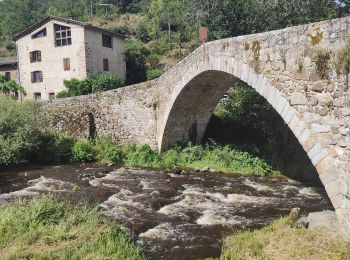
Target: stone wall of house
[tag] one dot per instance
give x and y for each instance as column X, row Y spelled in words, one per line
column 9, row 68
column 95, row 53
column 51, row 63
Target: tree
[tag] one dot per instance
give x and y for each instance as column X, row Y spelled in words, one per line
column 10, row 87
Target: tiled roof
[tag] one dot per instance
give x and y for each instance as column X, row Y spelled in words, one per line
column 8, row 60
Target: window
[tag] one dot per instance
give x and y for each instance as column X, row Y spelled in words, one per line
column 40, row 34
column 106, row 41
column 63, row 35
column 37, row 76
column 7, row 75
column 105, row 65
column 66, row 64
column 35, row 56
column 37, row 96
column 51, row 96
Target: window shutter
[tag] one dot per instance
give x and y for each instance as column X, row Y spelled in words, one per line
column 31, row 57
column 32, row 77
column 40, row 76
column 105, row 65
column 66, row 64
column 39, row 55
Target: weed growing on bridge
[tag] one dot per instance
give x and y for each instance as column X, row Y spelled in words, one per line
column 49, row 229
column 321, row 58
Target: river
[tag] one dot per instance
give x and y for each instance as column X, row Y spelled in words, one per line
column 183, row 216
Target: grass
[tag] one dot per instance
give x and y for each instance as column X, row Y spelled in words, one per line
column 49, row 229
column 281, row 241
column 227, row 158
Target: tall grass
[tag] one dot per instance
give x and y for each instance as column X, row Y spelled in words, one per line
column 49, row 229
column 281, row 241
column 220, row 158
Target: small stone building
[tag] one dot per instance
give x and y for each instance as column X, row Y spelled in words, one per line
column 8, row 67
column 57, row 49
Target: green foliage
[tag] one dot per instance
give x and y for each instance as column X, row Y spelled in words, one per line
column 343, row 60
column 29, row 231
column 52, row 147
column 321, row 59
column 153, row 60
column 10, row 87
column 154, row 73
column 136, row 54
column 83, row 151
column 160, row 47
column 101, row 82
column 107, row 150
column 19, row 128
column 246, row 107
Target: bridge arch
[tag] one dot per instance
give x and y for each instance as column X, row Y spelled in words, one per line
column 204, row 82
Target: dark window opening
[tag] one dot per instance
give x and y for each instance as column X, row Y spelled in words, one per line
column 37, row 96
column 35, row 56
column 66, row 64
column 39, row 34
column 105, row 65
column 37, row 76
column 63, row 35
column 7, row 75
column 107, row 41
column 52, row 96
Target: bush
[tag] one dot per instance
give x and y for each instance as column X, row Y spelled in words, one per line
column 160, row 47
column 101, row 82
column 107, row 151
column 154, row 73
column 83, row 151
column 19, row 128
column 136, row 54
column 52, row 147
column 153, row 60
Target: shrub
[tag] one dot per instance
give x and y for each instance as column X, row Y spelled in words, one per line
column 136, row 54
column 153, row 60
column 160, row 47
column 105, row 81
column 107, row 151
column 143, row 32
column 52, row 147
column 19, row 128
column 154, row 73
column 343, row 60
column 83, row 151
column 321, row 58
column 101, row 82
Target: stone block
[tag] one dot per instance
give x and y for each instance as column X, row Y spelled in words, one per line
column 298, row 99
column 317, row 128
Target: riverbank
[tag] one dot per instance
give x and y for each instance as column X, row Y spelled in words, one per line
column 186, row 215
column 50, row 229
column 227, row 159
column 280, row 240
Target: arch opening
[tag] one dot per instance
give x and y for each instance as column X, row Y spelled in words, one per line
column 192, row 119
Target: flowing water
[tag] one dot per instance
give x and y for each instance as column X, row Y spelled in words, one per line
column 182, row 216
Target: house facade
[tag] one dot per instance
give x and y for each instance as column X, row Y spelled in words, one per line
column 58, row 49
column 8, row 67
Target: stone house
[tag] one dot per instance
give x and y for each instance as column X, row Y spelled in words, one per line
column 8, row 67
column 57, row 49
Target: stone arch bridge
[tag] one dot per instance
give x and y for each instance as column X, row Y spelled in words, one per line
column 295, row 69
